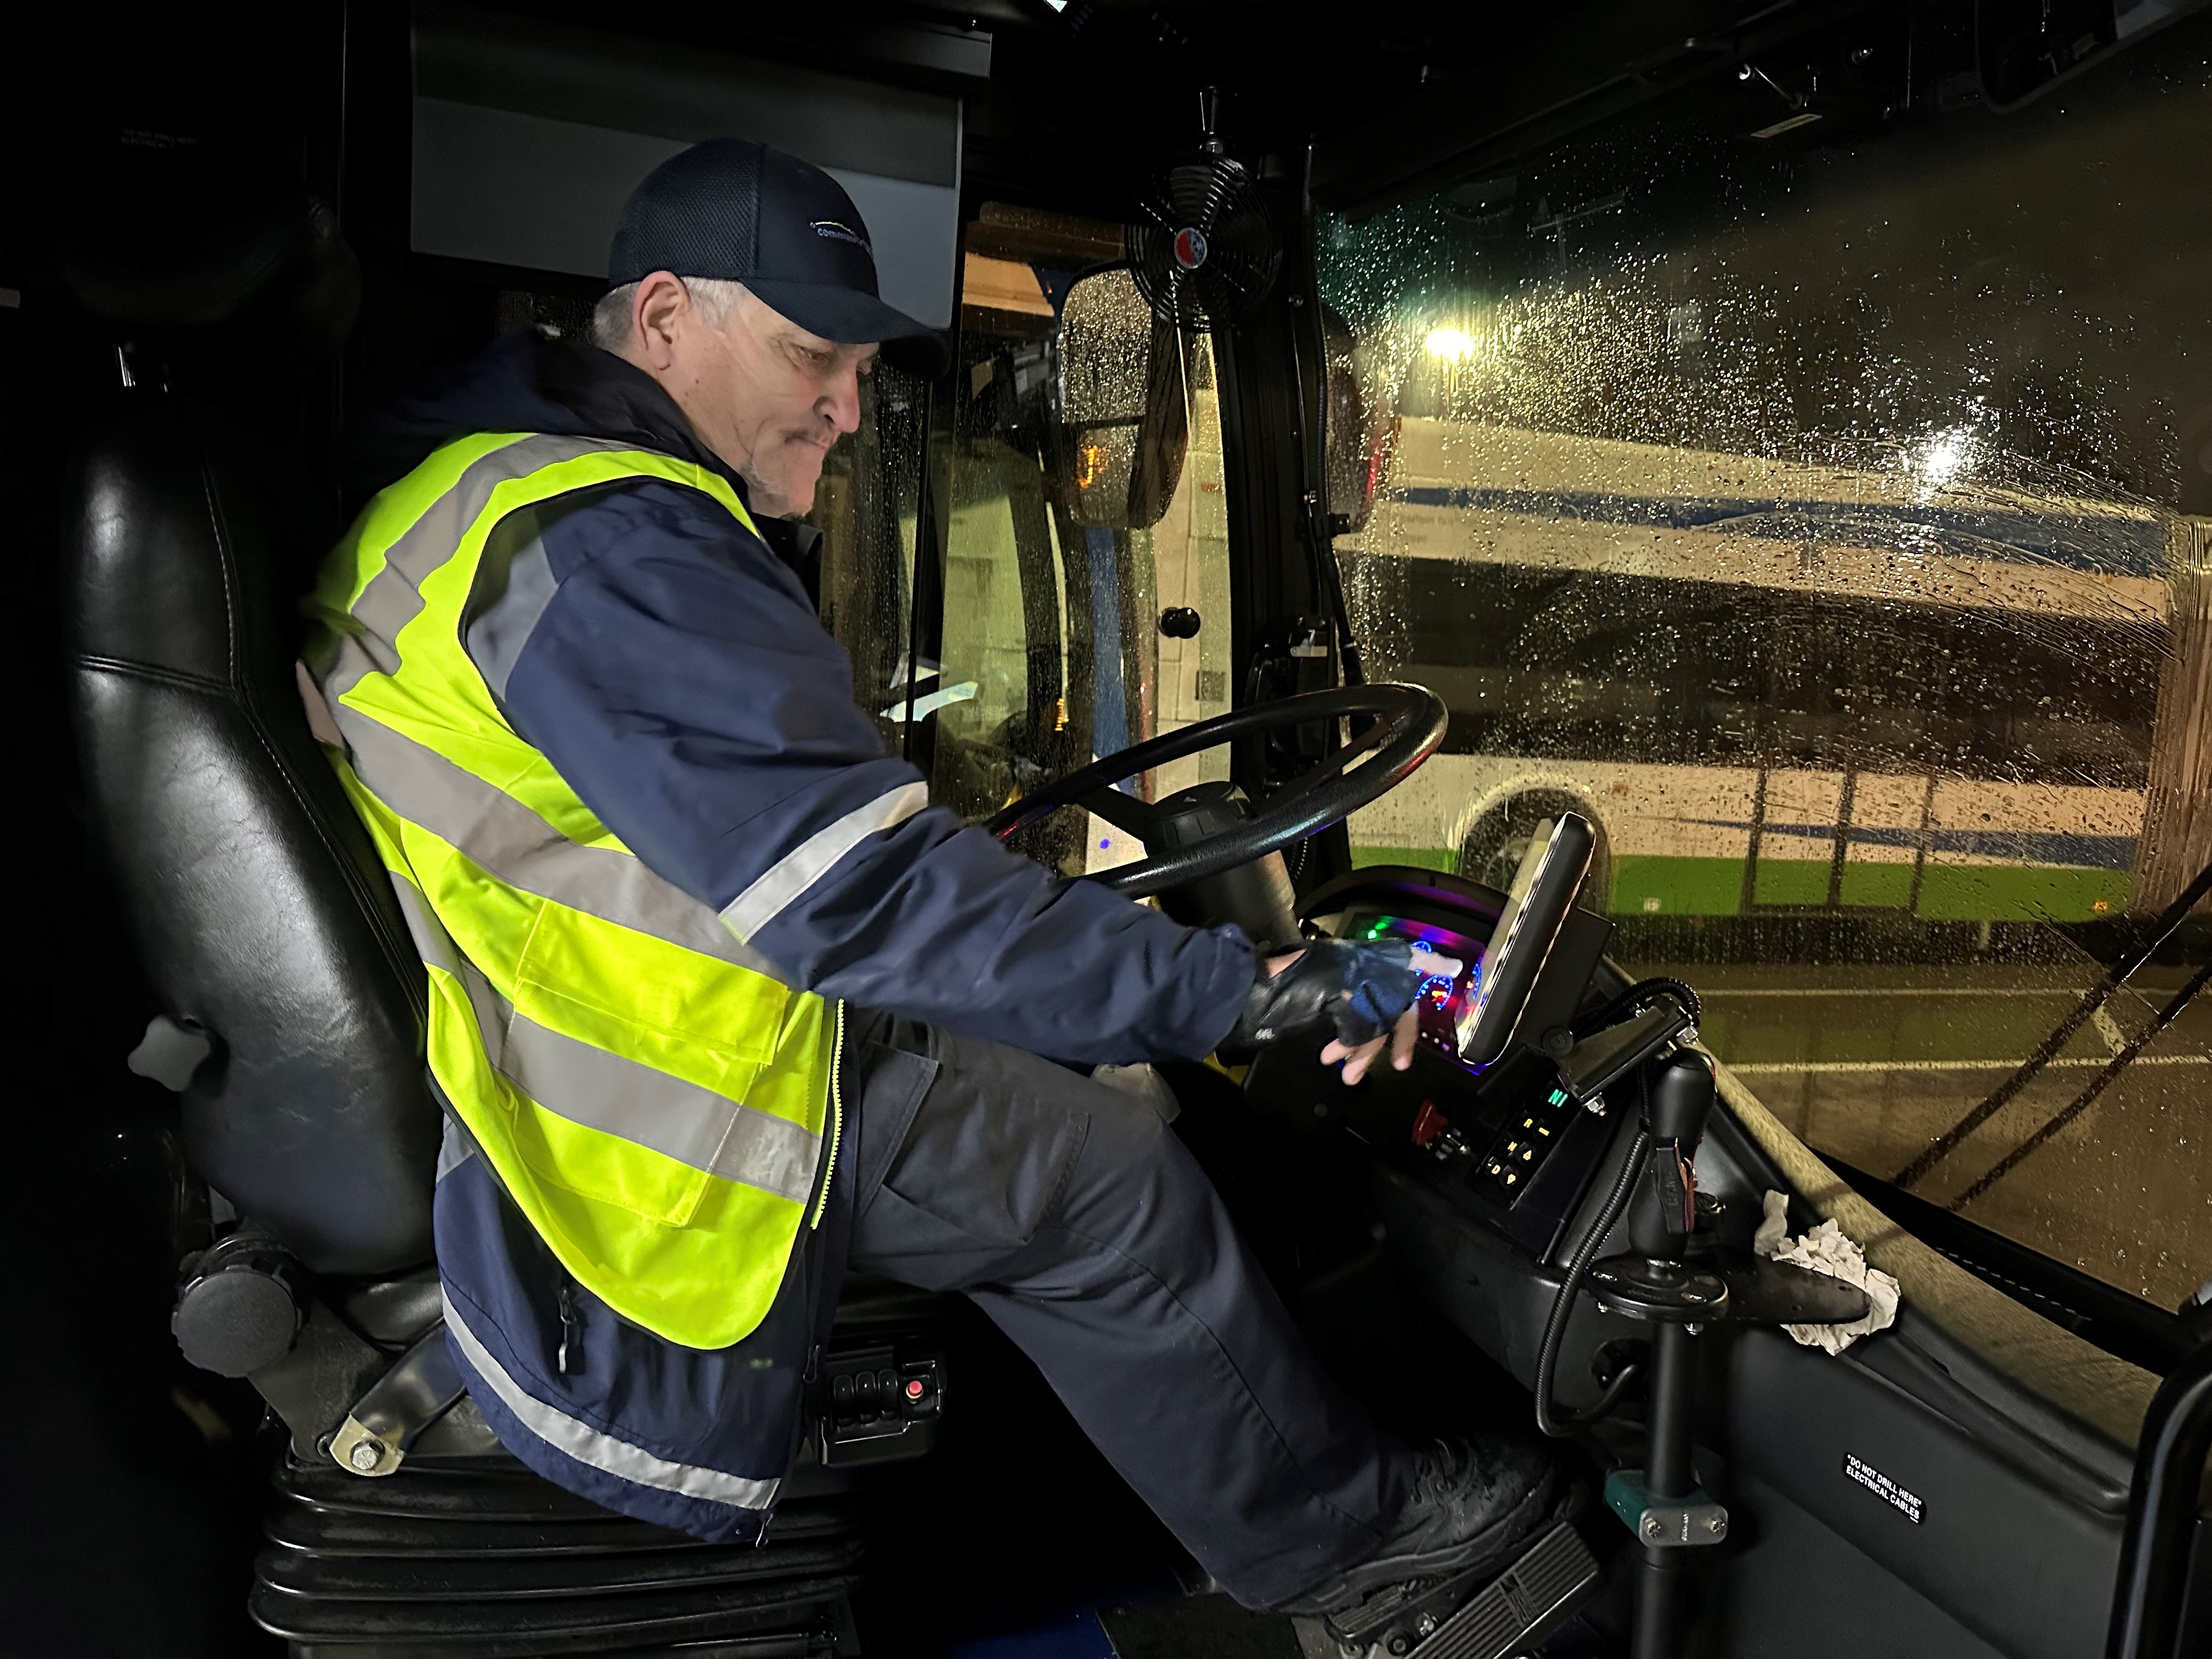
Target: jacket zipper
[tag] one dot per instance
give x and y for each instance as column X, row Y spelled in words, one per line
column 568, row 1324
column 813, row 1372
column 836, row 1117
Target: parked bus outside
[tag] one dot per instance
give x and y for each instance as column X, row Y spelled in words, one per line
column 1725, row 780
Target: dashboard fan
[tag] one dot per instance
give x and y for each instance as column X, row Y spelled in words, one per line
column 1201, row 248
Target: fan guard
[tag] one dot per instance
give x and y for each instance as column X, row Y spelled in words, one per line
column 1202, row 249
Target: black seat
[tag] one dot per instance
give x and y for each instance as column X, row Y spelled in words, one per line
column 263, row 918
column 294, row 999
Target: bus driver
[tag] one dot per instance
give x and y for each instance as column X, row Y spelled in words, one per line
column 719, row 1004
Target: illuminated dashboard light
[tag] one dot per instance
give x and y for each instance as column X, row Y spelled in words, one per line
column 1423, row 944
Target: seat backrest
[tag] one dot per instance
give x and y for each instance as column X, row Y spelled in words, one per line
column 261, row 912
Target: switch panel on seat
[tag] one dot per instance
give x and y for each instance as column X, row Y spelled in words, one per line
column 880, row 1399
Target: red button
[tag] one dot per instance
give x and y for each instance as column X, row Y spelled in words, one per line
column 914, row 1389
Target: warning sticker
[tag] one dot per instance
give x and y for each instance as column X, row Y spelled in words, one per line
column 1906, row 1504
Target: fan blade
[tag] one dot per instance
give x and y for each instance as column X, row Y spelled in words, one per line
column 1159, row 218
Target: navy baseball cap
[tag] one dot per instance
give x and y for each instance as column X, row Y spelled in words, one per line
column 742, row 212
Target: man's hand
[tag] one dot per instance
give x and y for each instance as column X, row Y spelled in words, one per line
column 1357, row 1060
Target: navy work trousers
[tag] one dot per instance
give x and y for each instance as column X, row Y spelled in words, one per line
column 1073, row 1216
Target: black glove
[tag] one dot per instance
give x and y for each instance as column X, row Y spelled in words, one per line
column 1360, row 988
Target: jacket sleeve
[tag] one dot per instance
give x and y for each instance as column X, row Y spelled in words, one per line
column 672, row 671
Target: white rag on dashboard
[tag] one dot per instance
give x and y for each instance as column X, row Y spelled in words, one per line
column 1826, row 1250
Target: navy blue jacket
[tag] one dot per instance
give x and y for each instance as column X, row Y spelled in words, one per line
column 671, row 667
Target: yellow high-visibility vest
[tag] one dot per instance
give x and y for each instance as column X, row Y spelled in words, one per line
column 657, row 1104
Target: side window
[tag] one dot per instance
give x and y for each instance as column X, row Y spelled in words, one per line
column 865, row 509
column 1086, row 500
column 1815, row 521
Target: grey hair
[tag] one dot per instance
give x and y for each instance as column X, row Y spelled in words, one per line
column 611, row 329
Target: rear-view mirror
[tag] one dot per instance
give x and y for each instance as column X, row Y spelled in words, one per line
column 1124, row 400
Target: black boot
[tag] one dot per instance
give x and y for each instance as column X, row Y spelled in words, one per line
column 1477, row 1504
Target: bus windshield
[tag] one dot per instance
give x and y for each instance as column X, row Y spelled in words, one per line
column 1829, row 523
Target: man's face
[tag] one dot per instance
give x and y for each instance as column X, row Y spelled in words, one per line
column 762, row 393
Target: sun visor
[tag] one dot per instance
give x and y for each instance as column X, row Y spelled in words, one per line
column 528, row 138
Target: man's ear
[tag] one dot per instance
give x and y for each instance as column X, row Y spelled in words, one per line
column 661, row 307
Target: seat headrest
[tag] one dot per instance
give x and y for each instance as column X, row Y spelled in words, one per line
column 183, row 243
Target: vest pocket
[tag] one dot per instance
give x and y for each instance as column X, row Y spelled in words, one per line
column 623, row 1113
column 656, row 1072
column 579, row 1159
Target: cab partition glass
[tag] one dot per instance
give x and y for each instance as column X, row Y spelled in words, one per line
column 1084, row 474
column 1821, row 505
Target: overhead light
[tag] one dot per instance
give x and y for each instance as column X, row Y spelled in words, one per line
column 1946, row 457
column 1451, row 344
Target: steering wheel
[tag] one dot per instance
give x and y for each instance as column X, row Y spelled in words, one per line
column 1190, row 836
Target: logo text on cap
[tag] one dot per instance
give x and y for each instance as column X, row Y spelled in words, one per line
column 837, row 232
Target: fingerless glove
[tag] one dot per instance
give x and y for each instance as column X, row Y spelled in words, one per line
column 1360, row 988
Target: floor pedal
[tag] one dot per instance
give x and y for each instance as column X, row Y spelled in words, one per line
column 1512, row 1614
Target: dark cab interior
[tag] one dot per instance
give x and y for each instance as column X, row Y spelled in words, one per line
column 1160, row 525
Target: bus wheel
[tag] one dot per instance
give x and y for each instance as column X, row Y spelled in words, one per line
column 1494, row 846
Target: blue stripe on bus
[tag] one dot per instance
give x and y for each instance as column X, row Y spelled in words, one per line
column 2027, row 845
column 2115, row 545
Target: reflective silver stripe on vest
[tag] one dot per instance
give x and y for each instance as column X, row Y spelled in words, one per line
column 504, row 836
column 595, row 1447
column 454, row 1149
column 392, row 597
column 679, row 1120
column 438, row 950
column 603, row 1091
column 790, row 876
column 496, row 639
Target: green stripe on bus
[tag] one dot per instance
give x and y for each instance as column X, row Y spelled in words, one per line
column 1788, row 881
column 1645, row 884
column 1642, row 884
column 1878, row 886
column 1425, row 858
column 1988, row 892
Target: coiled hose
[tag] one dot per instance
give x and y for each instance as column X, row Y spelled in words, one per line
column 1559, row 1425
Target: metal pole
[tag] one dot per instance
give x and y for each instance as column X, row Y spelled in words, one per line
column 1661, row 1616
column 1667, row 1468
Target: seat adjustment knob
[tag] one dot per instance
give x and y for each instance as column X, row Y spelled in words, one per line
column 171, row 1052
column 239, row 1309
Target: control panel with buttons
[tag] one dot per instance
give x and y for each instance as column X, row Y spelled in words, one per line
column 879, row 1400
column 1527, row 1138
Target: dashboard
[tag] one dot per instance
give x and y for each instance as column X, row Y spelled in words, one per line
column 1510, row 1143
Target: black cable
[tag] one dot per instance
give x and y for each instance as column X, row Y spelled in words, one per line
column 1633, row 998
column 2097, row 1086
column 1547, row 1355
column 2140, row 952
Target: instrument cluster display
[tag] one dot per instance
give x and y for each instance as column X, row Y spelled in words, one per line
column 1453, row 984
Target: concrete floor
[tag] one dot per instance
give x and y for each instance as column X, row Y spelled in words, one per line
column 1870, row 1063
